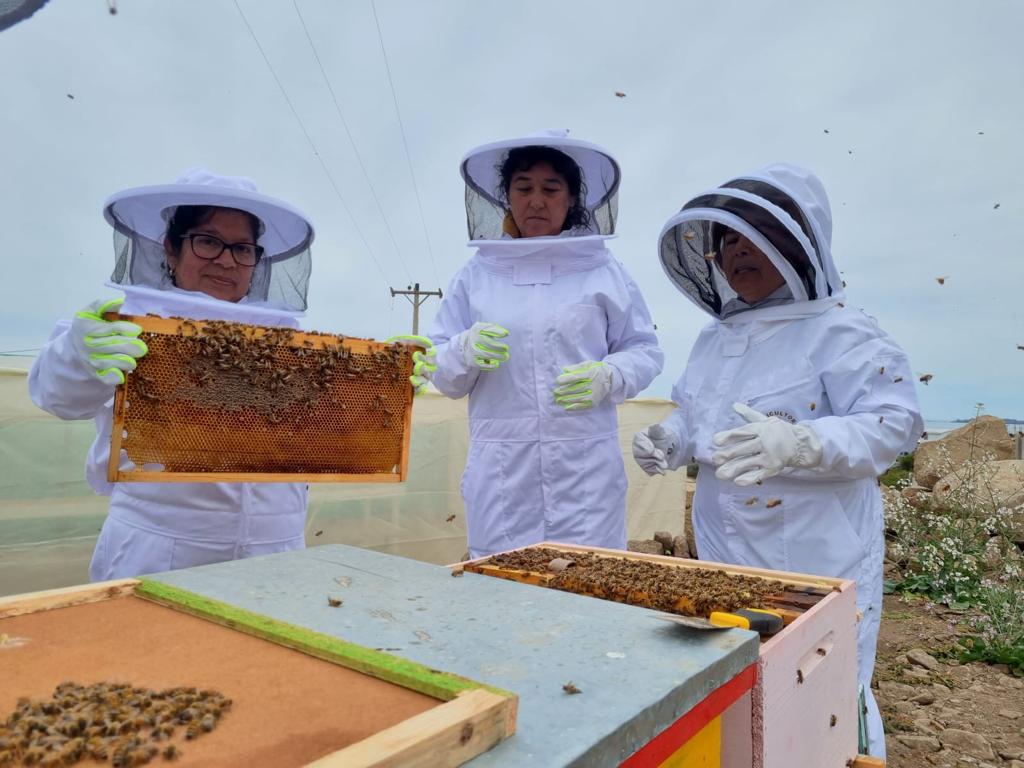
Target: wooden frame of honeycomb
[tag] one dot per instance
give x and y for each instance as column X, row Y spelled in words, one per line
column 224, row 402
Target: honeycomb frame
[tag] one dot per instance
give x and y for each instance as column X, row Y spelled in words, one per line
column 214, row 401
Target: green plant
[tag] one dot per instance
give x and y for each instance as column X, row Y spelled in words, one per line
column 946, row 549
column 997, row 634
column 900, row 474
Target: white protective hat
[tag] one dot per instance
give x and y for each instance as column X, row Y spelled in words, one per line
column 486, row 206
column 140, row 216
column 782, row 209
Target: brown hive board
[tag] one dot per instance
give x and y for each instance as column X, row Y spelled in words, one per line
column 225, row 402
column 298, row 697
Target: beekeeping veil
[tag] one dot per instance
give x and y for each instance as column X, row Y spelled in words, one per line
column 486, row 206
column 140, row 216
column 782, row 209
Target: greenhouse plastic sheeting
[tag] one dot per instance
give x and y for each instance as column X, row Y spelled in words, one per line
column 50, row 517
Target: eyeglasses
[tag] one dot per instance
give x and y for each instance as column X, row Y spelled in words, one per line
column 209, row 247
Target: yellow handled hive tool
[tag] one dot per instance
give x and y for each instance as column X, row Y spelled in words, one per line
column 757, row 620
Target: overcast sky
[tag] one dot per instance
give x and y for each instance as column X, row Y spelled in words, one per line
column 910, row 112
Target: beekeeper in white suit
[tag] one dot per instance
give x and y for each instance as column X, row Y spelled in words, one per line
column 206, row 247
column 546, row 333
column 791, row 402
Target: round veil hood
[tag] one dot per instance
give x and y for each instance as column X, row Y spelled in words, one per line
column 485, row 200
column 782, row 209
column 140, row 215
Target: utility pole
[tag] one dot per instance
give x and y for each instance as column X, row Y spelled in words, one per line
column 415, row 292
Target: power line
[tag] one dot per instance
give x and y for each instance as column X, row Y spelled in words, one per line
column 312, row 145
column 351, row 140
column 405, row 143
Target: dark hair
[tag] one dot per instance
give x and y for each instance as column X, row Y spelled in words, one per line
column 187, row 216
column 525, row 158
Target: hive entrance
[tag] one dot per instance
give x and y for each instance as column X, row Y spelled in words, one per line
column 217, row 401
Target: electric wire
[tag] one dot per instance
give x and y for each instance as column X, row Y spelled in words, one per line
column 312, row 145
column 348, row 133
column 405, row 143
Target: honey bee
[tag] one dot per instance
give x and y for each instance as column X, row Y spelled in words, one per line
column 925, row 378
column 333, row 602
column 208, row 723
column 813, row 406
column 192, row 731
column 881, row 371
column 171, row 752
column 772, row 503
column 457, row 573
column 450, row 519
column 711, row 255
column 751, row 501
column 897, row 380
column 570, row 688
column 689, row 234
column 941, row 280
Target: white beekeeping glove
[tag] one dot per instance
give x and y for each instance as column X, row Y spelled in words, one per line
column 763, row 448
column 481, row 350
column 656, row 449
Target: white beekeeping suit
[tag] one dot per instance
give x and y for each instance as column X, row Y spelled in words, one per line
column 155, row 527
column 827, row 377
column 537, row 470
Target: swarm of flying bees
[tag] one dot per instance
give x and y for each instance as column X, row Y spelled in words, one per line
column 127, row 725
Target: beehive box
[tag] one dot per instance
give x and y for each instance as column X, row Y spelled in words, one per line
column 802, row 710
column 125, row 654
column 216, row 401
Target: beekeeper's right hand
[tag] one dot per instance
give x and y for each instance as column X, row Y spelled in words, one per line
column 479, row 348
column 656, row 449
column 110, row 348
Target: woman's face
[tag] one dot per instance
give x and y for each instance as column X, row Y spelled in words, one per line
column 540, row 200
column 221, row 277
column 747, row 269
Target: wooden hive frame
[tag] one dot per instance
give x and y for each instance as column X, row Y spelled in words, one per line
column 801, row 592
column 336, row 424
column 473, row 718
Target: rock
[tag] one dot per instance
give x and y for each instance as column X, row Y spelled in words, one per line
column 925, row 698
column 922, row 659
column 645, row 546
column 894, row 690
column 926, row 726
column 936, row 458
column 916, row 673
column 1015, row 764
column 998, row 484
column 680, row 547
column 941, row 688
column 1015, row 754
column 1009, row 714
column 919, row 743
column 916, row 495
column 965, row 741
column 665, row 539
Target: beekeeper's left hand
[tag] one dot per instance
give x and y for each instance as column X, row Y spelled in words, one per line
column 763, row 448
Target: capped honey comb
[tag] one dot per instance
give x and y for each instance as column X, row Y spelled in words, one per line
column 215, row 401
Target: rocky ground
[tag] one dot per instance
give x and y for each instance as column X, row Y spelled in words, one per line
column 938, row 712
